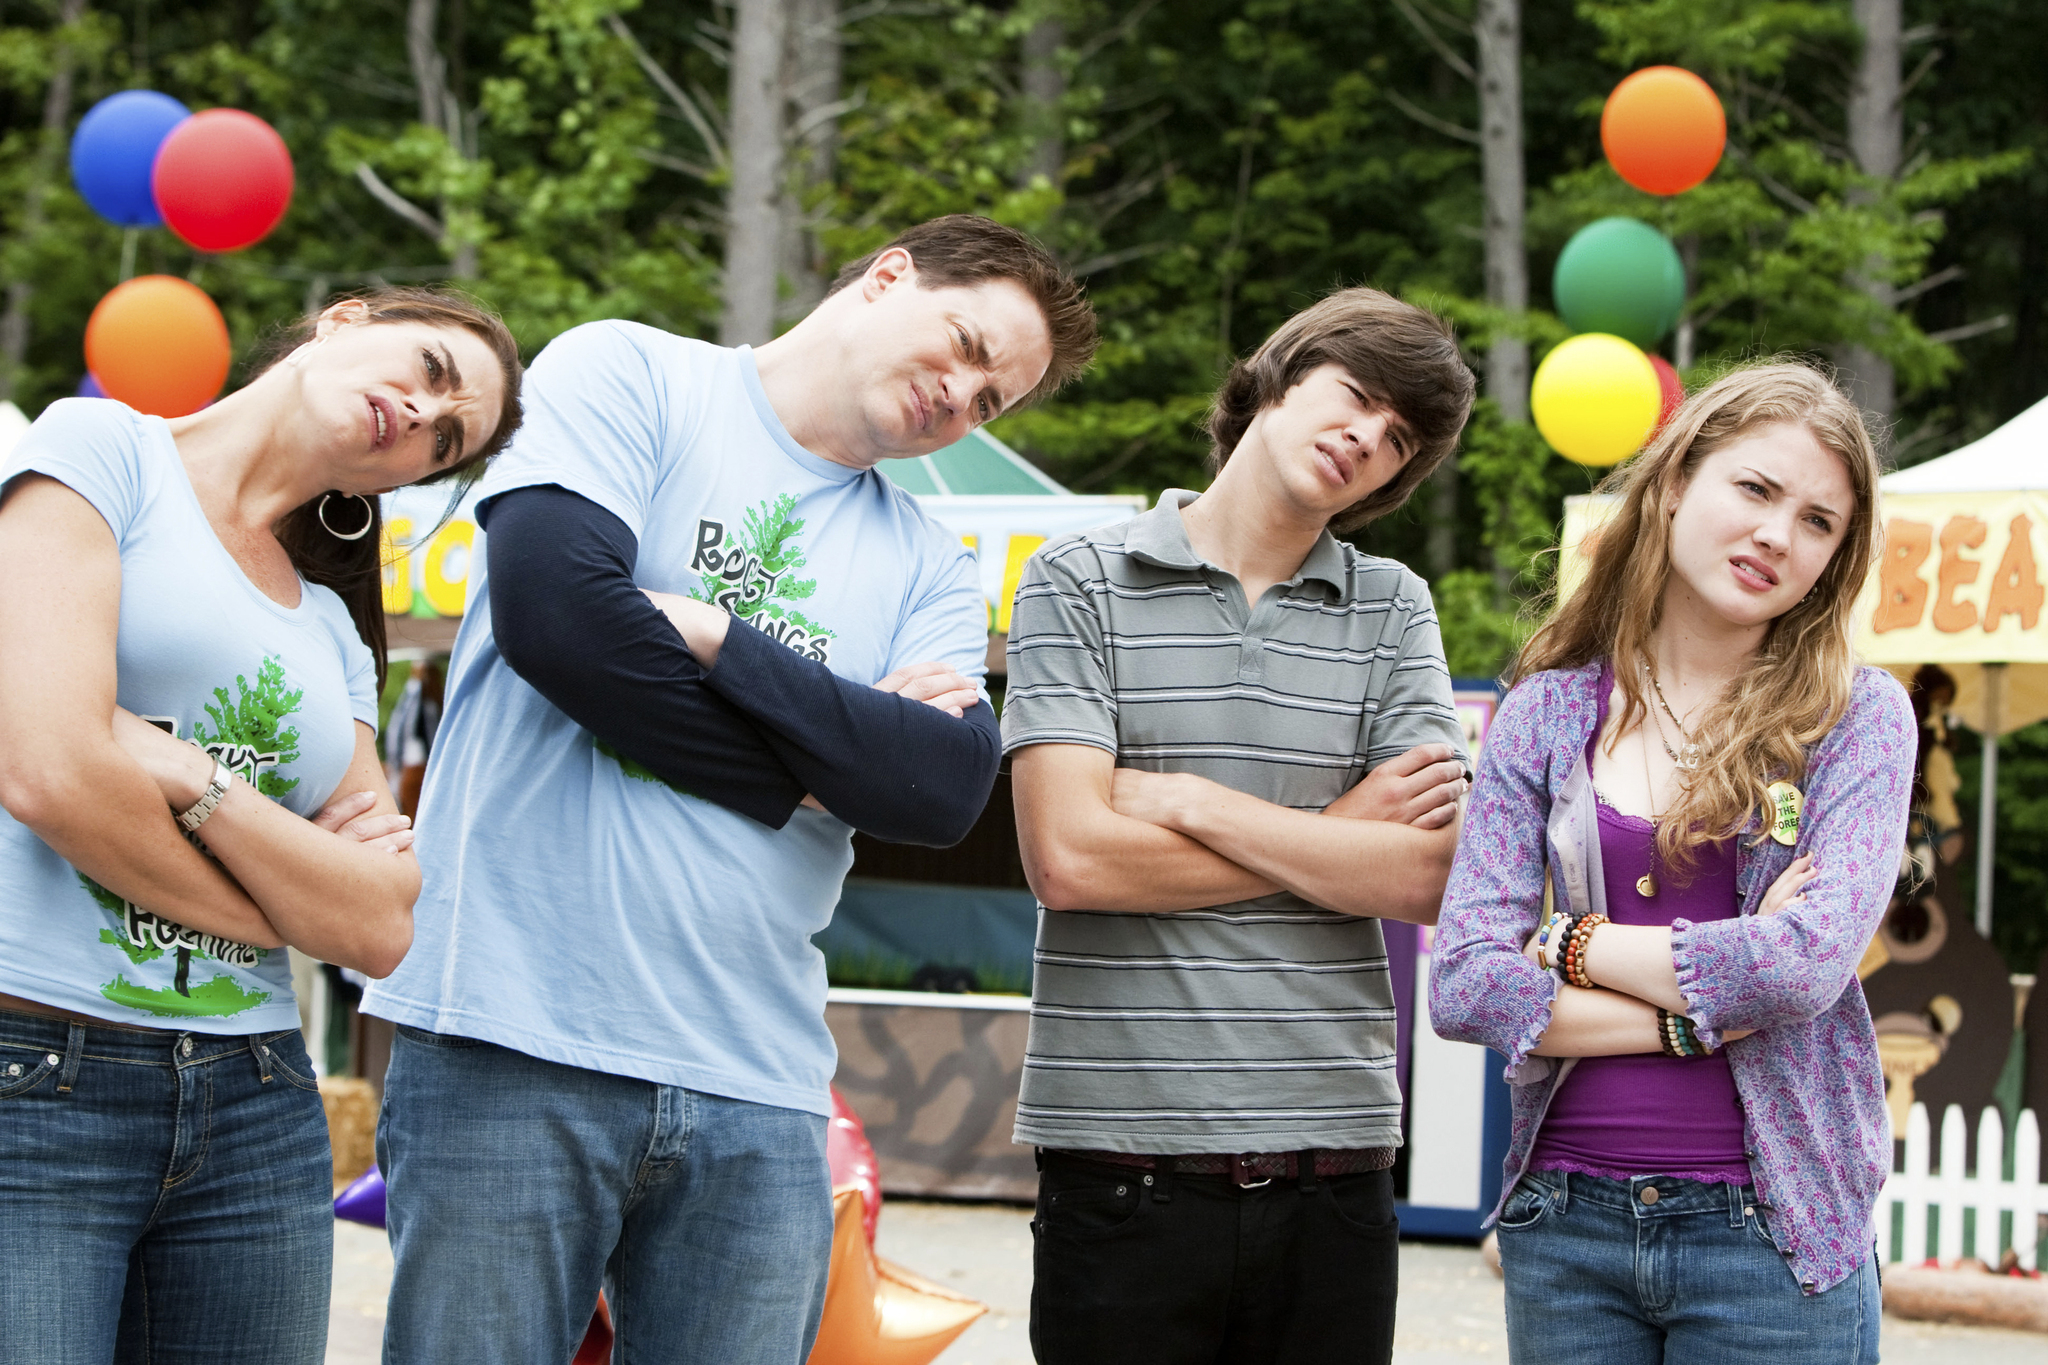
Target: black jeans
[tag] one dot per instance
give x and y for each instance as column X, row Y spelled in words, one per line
column 1133, row 1267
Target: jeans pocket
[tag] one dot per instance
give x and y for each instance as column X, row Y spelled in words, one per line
column 429, row 1038
column 1363, row 1203
column 292, row 1063
column 1093, row 1210
column 1526, row 1206
column 19, row 1075
column 1754, row 1221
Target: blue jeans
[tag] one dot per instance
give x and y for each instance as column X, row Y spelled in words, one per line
column 1690, row 1277
column 519, row 1186
column 164, row 1197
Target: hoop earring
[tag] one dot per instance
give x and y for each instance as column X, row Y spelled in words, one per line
column 369, row 516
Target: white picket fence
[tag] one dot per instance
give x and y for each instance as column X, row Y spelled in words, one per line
column 1917, row 1193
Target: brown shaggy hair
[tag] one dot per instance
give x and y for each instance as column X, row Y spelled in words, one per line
column 354, row 568
column 962, row 250
column 1798, row 685
column 1403, row 356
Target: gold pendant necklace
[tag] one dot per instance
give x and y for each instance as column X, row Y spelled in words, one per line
column 1686, row 757
column 1646, row 885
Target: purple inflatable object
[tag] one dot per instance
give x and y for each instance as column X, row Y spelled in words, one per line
column 89, row 387
column 363, row 1201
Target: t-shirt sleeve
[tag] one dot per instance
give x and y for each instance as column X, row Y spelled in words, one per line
column 597, row 415
column 362, row 677
column 1059, row 690
column 93, row 446
column 1416, row 706
column 947, row 620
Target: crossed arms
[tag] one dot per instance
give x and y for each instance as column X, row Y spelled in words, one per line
column 1098, row 837
column 728, row 715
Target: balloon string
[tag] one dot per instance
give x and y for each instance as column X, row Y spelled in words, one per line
column 128, row 240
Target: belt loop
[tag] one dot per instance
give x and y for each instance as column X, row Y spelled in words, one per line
column 1736, row 1204
column 262, row 1051
column 1305, row 1168
column 1162, row 1179
column 1564, row 1189
column 74, row 1048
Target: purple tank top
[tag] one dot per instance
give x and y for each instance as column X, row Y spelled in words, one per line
column 1645, row 1113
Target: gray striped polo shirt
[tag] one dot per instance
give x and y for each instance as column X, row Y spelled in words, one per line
column 1265, row 1025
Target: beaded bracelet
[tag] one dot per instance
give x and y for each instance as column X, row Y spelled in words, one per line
column 1550, row 939
column 1575, row 950
column 1675, row 1032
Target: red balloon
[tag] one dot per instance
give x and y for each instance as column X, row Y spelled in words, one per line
column 222, row 180
column 852, row 1160
column 1670, row 387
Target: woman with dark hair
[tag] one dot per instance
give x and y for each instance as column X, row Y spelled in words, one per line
column 1692, row 761
column 190, row 623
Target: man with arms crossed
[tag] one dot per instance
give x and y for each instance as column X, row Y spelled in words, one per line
column 1234, row 746
column 612, row 1064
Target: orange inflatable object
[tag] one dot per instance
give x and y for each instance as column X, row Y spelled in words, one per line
column 877, row 1313
column 852, row 1159
column 1663, row 129
column 597, row 1338
column 158, row 344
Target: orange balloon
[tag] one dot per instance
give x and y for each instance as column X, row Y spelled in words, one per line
column 877, row 1313
column 1663, row 129
column 159, row 345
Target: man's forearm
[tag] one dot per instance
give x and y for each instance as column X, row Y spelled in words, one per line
column 1130, row 865
column 1356, row 867
column 889, row 766
column 568, row 618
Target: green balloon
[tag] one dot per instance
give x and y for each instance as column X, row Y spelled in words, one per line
column 1622, row 276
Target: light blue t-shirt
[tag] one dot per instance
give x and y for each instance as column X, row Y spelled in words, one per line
column 581, row 911
column 274, row 692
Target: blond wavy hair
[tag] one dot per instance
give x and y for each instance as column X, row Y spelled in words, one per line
column 1797, row 687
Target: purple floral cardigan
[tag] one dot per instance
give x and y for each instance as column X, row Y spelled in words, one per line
column 1817, row 1134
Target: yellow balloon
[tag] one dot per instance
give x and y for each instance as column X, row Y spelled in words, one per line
column 1595, row 399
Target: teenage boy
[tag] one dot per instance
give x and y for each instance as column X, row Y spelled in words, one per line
column 1234, row 752
column 711, row 641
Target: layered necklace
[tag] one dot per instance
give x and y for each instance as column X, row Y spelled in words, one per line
column 1685, row 757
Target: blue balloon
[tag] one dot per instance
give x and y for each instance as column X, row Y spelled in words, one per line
column 115, row 147
column 89, row 387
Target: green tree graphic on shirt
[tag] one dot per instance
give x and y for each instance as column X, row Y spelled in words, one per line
column 769, row 533
column 248, row 733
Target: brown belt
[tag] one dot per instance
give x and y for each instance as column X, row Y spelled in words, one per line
column 1249, row 1170
column 14, row 1004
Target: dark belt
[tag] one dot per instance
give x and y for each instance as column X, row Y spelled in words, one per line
column 1249, row 1170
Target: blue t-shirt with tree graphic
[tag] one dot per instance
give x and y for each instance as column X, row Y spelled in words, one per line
column 271, row 691
column 577, row 908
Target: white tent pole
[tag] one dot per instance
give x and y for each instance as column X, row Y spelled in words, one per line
column 1987, row 804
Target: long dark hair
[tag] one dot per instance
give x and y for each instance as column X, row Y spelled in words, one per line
column 354, row 568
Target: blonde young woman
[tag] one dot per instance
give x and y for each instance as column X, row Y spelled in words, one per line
column 1718, row 795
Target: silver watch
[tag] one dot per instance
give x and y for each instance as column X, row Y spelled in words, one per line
column 194, row 815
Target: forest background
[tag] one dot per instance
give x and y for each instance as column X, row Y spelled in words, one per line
column 1206, row 166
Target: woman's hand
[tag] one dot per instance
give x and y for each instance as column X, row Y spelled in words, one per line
column 1786, row 890
column 351, row 817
